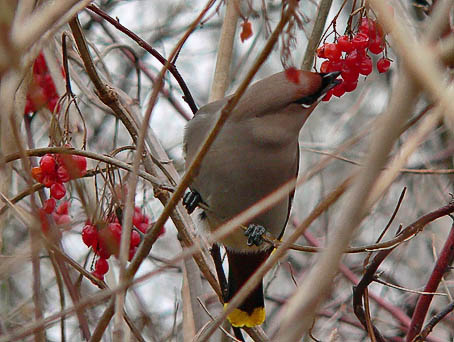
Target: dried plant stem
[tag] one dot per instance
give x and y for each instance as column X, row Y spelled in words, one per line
column 38, row 152
column 422, row 306
column 369, row 274
column 317, row 31
column 129, row 205
column 427, row 125
column 107, row 293
column 181, row 220
column 36, row 271
column 433, row 322
column 394, row 310
column 221, row 77
column 317, row 283
column 280, row 251
column 424, row 66
column 168, row 64
column 41, row 20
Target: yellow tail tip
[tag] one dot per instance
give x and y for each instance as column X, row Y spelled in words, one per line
column 239, row 318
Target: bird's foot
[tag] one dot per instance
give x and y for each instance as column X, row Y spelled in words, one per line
column 191, row 200
column 254, row 233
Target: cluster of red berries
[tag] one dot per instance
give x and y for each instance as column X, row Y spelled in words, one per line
column 104, row 238
column 60, row 213
column 349, row 55
column 42, row 91
column 56, row 169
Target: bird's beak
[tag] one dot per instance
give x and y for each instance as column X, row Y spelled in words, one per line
column 329, row 81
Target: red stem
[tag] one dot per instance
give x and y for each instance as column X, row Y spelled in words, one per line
column 395, row 311
column 422, row 306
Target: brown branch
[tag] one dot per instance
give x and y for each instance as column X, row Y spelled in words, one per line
column 369, row 274
column 422, row 306
column 433, row 322
column 38, row 152
column 106, row 95
column 395, row 311
column 317, row 31
column 169, row 65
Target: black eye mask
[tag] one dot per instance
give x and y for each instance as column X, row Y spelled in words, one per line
column 328, row 82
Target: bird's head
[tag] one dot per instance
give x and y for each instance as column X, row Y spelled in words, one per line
column 280, row 104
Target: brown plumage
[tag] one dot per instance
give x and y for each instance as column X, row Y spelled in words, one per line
column 255, row 152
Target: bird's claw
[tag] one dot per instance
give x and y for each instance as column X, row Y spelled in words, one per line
column 191, row 199
column 254, row 233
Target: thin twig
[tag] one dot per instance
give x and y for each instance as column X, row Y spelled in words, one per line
column 170, row 66
column 317, row 31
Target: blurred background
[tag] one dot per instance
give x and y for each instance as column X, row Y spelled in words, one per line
column 155, row 305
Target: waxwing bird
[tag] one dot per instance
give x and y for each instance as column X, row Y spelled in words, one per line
column 255, row 152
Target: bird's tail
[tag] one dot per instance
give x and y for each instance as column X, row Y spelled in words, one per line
column 241, row 266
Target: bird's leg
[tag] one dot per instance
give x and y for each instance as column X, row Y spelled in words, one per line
column 254, row 233
column 191, row 199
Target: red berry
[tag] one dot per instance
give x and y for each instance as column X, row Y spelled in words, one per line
column 360, row 41
column 137, row 217
column 345, row 44
column 101, row 266
column 335, row 65
column 48, row 164
column 98, row 275
column 115, row 229
column 135, row 238
column 376, row 46
column 49, row 180
column 332, row 51
column 325, row 67
column 246, row 30
column 143, row 227
column 63, row 174
column 109, row 240
column 76, row 165
column 367, row 26
column 90, row 235
column 81, row 163
column 62, row 219
column 103, row 252
column 44, row 223
column 328, row 95
column 57, row 190
column 349, row 74
column 352, row 59
column 132, row 252
column 350, row 86
column 49, row 205
column 37, row 174
column 321, row 51
column 383, row 65
column 365, row 66
column 63, row 208
column 339, row 90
